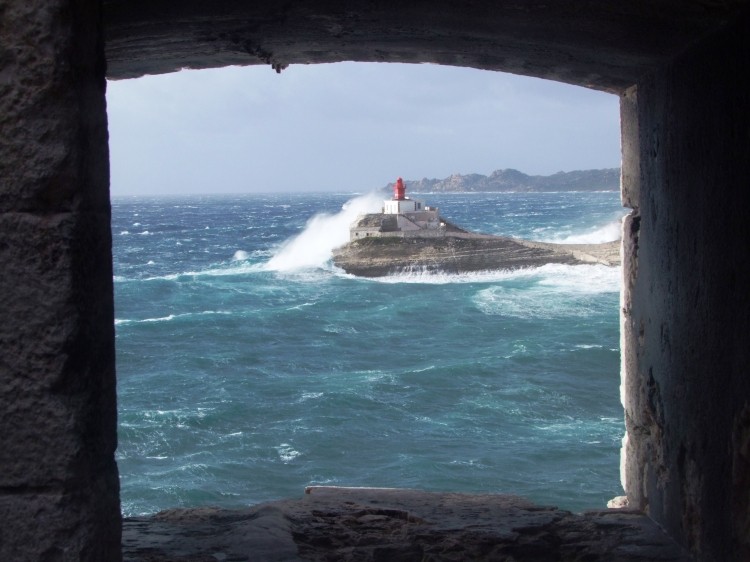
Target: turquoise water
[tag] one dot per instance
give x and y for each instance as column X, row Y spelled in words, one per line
column 249, row 367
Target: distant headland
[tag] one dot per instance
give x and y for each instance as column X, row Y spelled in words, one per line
column 509, row 180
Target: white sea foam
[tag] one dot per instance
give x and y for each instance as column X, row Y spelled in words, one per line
column 515, row 303
column 161, row 319
column 312, row 248
column 287, row 453
column 301, row 306
column 553, row 291
column 608, row 233
column 426, row 277
column 338, row 329
column 586, row 278
column 169, row 318
column 238, row 268
column 230, row 436
column 240, row 255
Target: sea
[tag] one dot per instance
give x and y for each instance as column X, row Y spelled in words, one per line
column 250, row 367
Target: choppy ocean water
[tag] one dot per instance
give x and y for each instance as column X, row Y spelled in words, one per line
column 249, row 367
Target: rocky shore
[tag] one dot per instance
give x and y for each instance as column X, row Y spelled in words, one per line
column 462, row 252
column 390, row 525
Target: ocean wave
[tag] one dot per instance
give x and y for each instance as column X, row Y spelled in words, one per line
column 582, row 430
column 313, row 247
column 431, row 277
column 583, row 277
column 238, row 268
column 610, row 232
column 300, row 306
column 286, row 453
column 308, row 276
column 555, row 291
column 337, row 329
column 169, row 318
column 500, row 301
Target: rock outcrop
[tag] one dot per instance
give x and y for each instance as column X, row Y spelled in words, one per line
column 366, row 524
column 379, row 256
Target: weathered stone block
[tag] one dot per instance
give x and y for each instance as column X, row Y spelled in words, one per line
column 58, row 483
column 397, row 525
column 76, row 526
column 630, row 171
column 57, row 385
column 688, row 344
column 53, row 123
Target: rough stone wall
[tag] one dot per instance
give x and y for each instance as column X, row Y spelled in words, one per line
column 607, row 44
column 59, row 489
column 687, row 321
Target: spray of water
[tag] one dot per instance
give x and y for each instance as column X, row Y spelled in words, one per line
column 607, row 233
column 312, row 248
column 550, row 291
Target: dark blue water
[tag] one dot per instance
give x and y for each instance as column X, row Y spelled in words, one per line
column 249, row 367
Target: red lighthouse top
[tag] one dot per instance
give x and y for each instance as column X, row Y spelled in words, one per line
column 399, row 190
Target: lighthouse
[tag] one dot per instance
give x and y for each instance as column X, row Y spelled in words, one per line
column 401, row 204
column 399, row 190
column 401, row 216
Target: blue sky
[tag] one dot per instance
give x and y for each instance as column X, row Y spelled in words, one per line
column 347, row 127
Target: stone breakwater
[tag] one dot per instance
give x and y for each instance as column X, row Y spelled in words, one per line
column 463, row 252
column 366, row 524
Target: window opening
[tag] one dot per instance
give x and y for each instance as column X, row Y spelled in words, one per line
column 240, row 382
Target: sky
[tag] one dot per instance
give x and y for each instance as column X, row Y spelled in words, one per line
column 347, row 127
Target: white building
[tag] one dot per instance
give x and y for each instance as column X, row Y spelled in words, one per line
column 402, row 206
column 401, row 216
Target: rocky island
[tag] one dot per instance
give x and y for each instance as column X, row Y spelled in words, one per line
column 409, row 236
